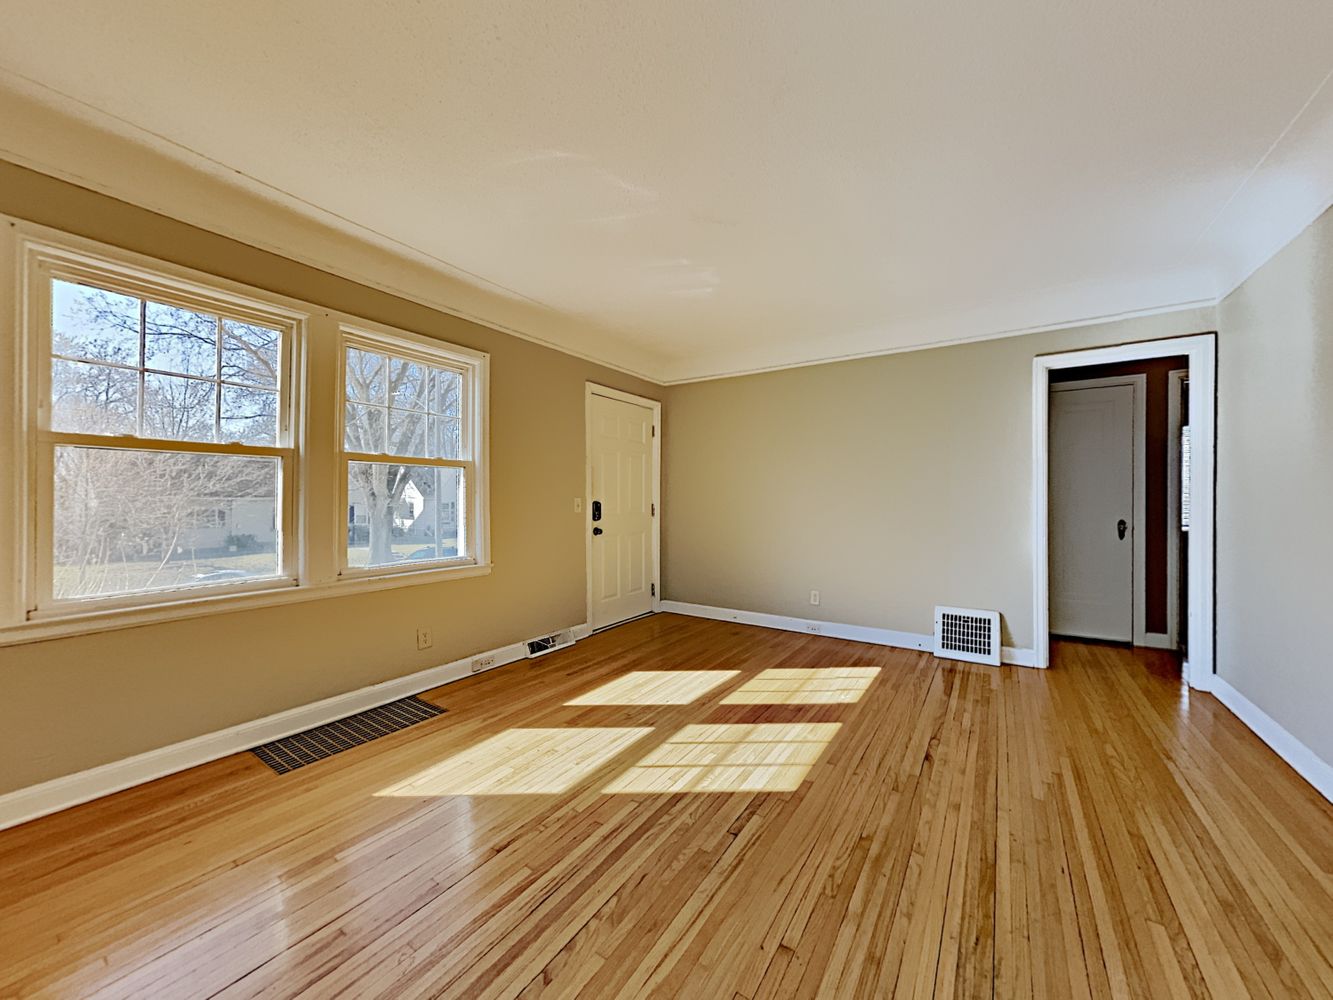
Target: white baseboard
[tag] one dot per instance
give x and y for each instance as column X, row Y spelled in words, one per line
column 1018, row 657
column 60, row 793
column 1302, row 759
column 1157, row 640
column 857, row 633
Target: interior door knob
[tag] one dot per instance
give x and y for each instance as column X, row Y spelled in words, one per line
column 1121, row 527
column 596, row 531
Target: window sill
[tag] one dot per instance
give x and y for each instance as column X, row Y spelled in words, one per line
column 108, row 620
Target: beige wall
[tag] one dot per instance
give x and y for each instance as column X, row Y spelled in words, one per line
column 889, row 484
column 1275, row 488
column 892, row 484
column 73, row 703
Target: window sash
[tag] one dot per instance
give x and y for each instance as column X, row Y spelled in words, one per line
column 166, row 292
column 44, row 603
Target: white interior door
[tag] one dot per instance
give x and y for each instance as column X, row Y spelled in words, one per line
column 1092, row 512
column 621, row 510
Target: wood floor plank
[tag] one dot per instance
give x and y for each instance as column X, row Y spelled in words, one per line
column 616, row 820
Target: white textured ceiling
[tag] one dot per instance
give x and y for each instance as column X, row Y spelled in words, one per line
column 693, row 188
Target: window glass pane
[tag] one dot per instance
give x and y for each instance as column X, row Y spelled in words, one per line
column 182, row 409
column 407, row 433
column 249, row 416
column 93, row 399
column 366, row 377
column 364, row 428
column 400, row 514
column 447, row 393
column 94, row 324
column 446, row 437
column 179, row 340
column 250, row 354
column 408, row 385
column 137, row 521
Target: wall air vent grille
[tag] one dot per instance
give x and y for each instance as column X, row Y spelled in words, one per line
column 968, row 634
column 549, row 643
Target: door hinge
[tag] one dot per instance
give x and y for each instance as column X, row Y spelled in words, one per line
column 653, row 509
column 654, row 430
column 654, row 590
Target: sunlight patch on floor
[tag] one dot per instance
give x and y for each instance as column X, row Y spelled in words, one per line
column 521, row 762
column 761, row 757
column 815, row 686
column 656, row 687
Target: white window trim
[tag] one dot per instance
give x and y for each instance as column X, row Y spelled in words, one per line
column 475, row 409
column 42, row 259
column 18, row 547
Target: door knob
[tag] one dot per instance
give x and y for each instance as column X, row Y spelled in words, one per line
column 1121, row 527
column 598, row 531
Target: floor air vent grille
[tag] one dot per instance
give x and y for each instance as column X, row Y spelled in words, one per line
column 968, row 634
column 291, row 752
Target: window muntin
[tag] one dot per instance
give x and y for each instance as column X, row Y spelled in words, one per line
column 400, row 407
column 164, row 463
column 123, row 364
column 413, row 400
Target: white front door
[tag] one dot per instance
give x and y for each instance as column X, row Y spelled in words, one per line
column 621, row 510
column 1092, row 512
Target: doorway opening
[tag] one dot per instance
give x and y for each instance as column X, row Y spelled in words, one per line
column 1123, row 444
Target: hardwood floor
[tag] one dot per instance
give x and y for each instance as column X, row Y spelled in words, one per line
column 687, row 808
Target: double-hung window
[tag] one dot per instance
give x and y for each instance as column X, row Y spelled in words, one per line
column 152, row 421
column 412, row 440
column 161, row 431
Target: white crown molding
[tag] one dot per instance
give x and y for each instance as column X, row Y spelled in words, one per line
column 1287, row 190
column 811, row 626
column 1194, row 307
column 26, row 804
column 52, row 134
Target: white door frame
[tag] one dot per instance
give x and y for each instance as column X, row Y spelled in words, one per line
column 1202, row 353
column 1139, row 383
column 1174, row 381
column 591, row 389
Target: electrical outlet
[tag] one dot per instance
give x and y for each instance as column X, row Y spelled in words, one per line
column 816, row 629
column 425, row 638
column 578, row 505
column 814, row 597
column 480, row 663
